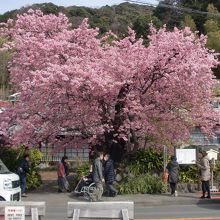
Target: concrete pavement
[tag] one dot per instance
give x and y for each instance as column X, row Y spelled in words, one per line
column 186, row 206
column 165, row 199
column 190, row 219
column 140, row 199
column 190, row 212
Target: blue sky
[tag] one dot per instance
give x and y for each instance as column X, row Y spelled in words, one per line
column 7, row 5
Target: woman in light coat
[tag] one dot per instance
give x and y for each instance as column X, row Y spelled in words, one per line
column 204, row 167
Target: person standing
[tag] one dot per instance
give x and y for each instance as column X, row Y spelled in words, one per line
column 23, row 169
column 97, row 176
column 62, row 173
column 204, row 167
column 109, row 175
column 173, row 171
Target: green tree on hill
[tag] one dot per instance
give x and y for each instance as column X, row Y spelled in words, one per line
column 4, row 75
column 189, row 22
column 141, row 25
column 212, row 29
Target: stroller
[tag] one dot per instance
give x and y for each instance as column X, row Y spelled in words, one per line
column 85, row 187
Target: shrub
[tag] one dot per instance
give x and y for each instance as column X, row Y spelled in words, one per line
column 35, row 157
column 137, row 173
column 145, row 161
column 145, row 183
column 189, row 174
column 11, row 157
column 34, row 178
column 81, row 170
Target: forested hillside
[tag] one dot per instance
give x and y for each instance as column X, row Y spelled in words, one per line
column 118, row 17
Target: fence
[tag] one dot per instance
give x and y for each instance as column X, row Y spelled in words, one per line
column 72, row 154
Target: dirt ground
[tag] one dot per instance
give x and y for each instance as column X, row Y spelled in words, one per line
column 49, row 184
column 48, row 175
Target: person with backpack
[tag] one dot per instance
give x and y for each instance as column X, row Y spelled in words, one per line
column 205, row 173
column 23, row 169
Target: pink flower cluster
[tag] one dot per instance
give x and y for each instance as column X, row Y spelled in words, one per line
column 72, row 82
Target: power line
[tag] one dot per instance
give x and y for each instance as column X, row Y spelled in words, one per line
column 184, row 9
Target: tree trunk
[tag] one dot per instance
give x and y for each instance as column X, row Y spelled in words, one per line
column 112, row 143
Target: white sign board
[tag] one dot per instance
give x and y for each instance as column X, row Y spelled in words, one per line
column 186, row 156
column 14, row 213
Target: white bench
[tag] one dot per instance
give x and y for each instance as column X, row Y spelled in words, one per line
column 109, row 210
column 34, row 209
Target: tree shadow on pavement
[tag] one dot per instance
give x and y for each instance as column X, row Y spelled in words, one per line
column 50, row 186
column 77, row 198
column 212, row 204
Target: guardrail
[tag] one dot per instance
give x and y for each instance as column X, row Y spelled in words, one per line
column 101, row 210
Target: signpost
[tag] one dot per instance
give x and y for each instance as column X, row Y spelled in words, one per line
column 213, row 156
column 164, row 158
column 14, row 213
column 165, row 174
column 213, row 188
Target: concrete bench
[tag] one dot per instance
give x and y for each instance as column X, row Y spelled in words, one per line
column 34, row 209
column 104, row 210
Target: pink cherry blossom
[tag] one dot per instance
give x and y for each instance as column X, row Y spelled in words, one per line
column 93, row 90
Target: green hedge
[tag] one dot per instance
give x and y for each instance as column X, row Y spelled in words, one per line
column 145, row 183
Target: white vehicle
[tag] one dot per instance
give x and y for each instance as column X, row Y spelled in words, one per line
column 9, row 185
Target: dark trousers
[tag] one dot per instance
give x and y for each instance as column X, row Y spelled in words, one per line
column 97, row 194
column 63, row 184
column 205, row 188
column 111, row 189
column 173, row 188
column 23, row 181
column 99, row 190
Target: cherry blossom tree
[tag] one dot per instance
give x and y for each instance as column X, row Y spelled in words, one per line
column 116, row 92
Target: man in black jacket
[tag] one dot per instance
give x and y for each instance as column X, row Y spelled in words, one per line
column 109, row 174
column 23, row 169
column 97, row 176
